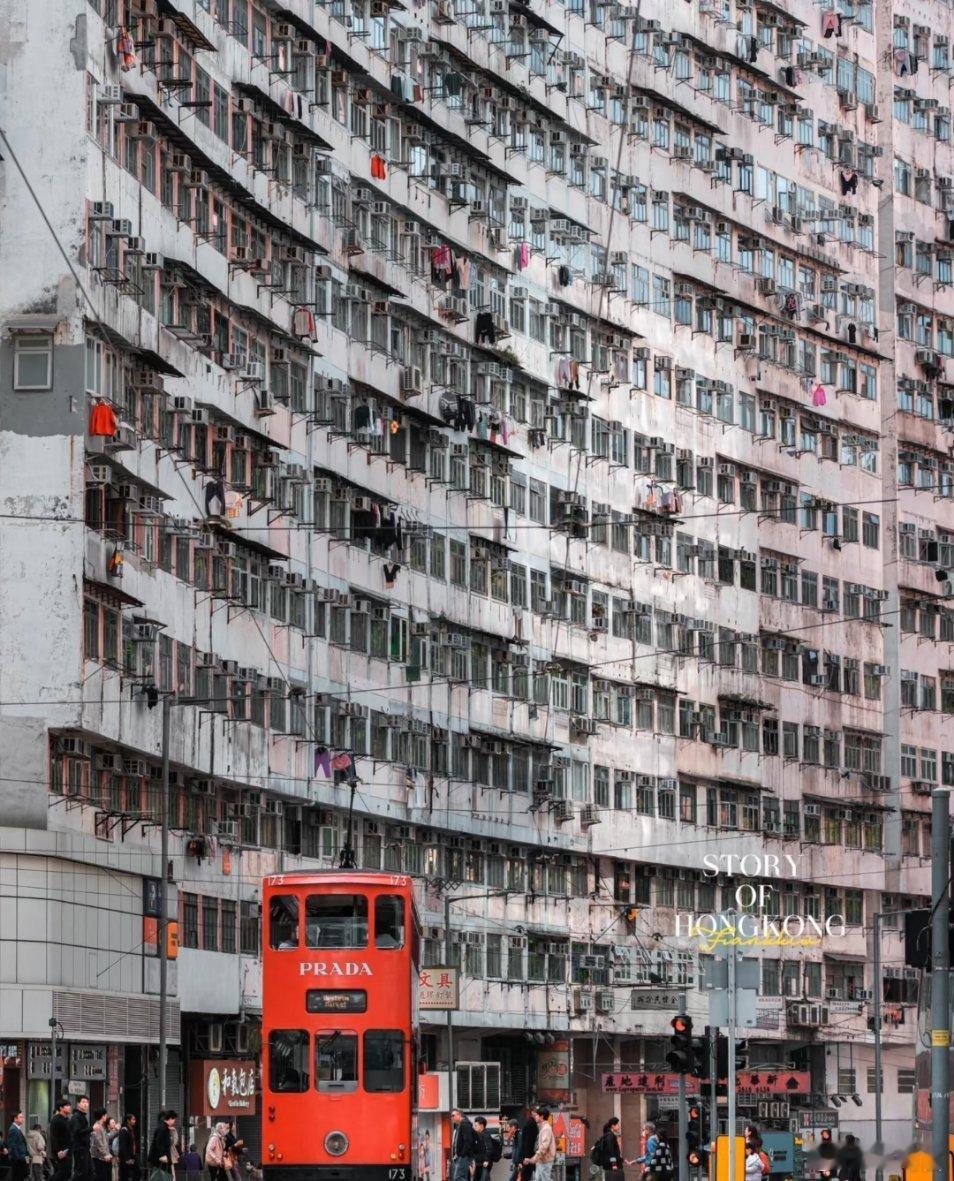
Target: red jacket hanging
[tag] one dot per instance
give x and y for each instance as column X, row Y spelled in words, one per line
column 102, row 421
column 378, row 170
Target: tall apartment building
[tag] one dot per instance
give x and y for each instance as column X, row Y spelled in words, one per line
column 518, row 435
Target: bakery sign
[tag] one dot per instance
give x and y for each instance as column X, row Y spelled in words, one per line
column 223, row 1086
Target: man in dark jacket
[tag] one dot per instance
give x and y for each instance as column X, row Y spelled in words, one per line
column 60, row 1141
column 463, row 1146
column 79, row 1141
column 17, row 1152
column 527, row 1145
column 483, row 1150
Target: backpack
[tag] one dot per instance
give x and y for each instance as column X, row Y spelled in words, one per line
column 495, row 1149
column 596, row 1153
column 766, row 1163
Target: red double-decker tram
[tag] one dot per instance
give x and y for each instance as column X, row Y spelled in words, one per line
column 339, row 1027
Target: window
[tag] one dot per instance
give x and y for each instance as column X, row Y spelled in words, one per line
column 336, row 1058
column 336, row 920
column 288, row 1060
column 283, row 922
column 33, row 363
column 388, row 924
column 383, row 1058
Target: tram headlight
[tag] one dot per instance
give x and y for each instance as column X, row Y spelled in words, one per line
column 336, row 1144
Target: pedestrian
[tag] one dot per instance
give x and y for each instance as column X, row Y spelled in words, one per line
column 215, row 1152
column 609, row 1154
column 163, row 1154
column 545, row 1154
column 99, row 1146
column 18, row 1155
column 850, row 1160
column 659, row 1163
column 234, row 1151
column 463, row 1146
column 80, row 1132
column 526, row 1146
column 191, row 1163
column 753, row 1166
column 36, row 1145
column 649, row 1142
column 60, row 1140
column 127, row 1150
column 511, row 1137
column 424, row 1157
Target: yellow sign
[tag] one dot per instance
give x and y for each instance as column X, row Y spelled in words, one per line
column 722, row 1159
column 940, row 1037
column 918, row 1167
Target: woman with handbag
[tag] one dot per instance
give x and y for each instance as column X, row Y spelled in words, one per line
column 36, row 1145
column 216, row 1153
column 163, row 1154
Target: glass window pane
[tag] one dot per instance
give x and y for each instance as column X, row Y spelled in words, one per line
column 283, row 922
column 336, row 920
column 389, row 922
column 384, row 1060
column 336, row 1060
column 288, row 1060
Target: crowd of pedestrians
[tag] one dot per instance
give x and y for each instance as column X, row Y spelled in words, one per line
column 84, row 1145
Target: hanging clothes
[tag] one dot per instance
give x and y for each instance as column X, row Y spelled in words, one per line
column 849, row 181
column 564, row 276
column 361, row 419
column 442, row 267
column 452, row 84
column 418, row 92
column 214, row 491
column 397, row 87
column 102, row 421
column 523, row 256
column 323, row 761
column 462, row 267
column 125, row 50
column 378, row 169
column 391, row 571
column 830, row 23
column 114, row 567
column 484, row 327
column 303, row 324
column 790, row 305
column 818, row 396
column 753, row 54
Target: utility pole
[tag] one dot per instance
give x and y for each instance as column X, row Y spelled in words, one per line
column 163, row 906
column 714, row 1085
column 940, row 983
column 683, row 1114
column 450, row 1013
column 876, row 1015
column 53, row 1024
column 730, row 1032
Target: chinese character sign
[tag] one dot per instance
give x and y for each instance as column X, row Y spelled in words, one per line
column 439, row 988
column 223, row 1087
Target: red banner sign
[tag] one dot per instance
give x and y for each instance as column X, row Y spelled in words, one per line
column 747, row 1082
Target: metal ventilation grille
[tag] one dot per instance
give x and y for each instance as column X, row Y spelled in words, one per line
column 478, row 1086
column 110, row 1016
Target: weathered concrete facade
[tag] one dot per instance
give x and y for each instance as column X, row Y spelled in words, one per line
column 665, row 434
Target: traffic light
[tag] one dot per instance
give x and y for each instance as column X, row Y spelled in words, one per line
column 701, row 1048
column 722, row 1057
column 680, row 1056
column 696, row 1154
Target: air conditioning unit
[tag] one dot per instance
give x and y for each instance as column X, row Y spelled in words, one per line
column 582, row 1001
column 254, row 371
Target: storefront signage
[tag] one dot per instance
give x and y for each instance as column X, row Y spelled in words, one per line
column 88, row 1063
column 788, row 1082
column 439, row 988
column 553, row 1073
column 223, row 1087
column 38, row 1060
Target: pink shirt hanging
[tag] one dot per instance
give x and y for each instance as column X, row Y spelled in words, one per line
column 818, row 396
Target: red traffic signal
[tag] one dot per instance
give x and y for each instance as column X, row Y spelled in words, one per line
column 682, row 1025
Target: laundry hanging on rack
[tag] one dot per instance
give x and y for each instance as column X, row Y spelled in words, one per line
column 564, row 276
column 830, row 23
column 102, row 421
column 397, row 87
column 323, row 761
column 848, row 179
column 391, row 571
column 819, row 398
column 378, row 169
column 523, row 256
column 303, row 324
column 790, row 304
column 462, row 268
column 215, row 491
column 484, row 328
column 125, row 50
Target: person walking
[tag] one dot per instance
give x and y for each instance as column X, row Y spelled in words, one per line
column 850, row 1160
column 463, row 1146
column 659, row 1162
column 526, row 1147
column 36, row 1146
column 99, row 1146
column 545, row 1154
column 753, row 1165
column 127, row 1150
column 60, row 1141
column 191, row 1164
column 17, row 1152
column 511, row 1139
column 215, row 1152
column 609, row 1154
column 80, row 1132
column 234, row 1151
column 163, row 1154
